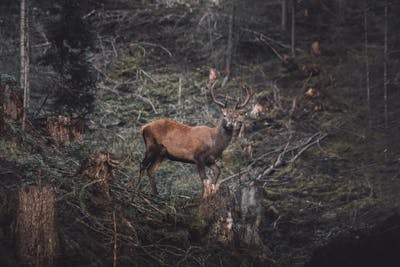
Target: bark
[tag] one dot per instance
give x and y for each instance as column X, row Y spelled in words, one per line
column 234, row 219
column 12, row 102
column 217, row 214
column 36, row 234
column 253, row 215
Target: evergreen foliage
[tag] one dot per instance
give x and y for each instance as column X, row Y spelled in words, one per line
column 71, row 40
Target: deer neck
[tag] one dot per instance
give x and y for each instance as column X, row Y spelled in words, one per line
column 222, row 138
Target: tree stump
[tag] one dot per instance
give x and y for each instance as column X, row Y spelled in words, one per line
column 315, row 49
column 63, row 129
column 233, row 219
column 253, row 215
column 99, row 167
column 217, row 214
column 36, row 235
column 12, row 102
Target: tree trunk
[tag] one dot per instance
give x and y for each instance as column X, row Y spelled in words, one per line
column 385, row 66
column 234, row 219
column 36, row 235
column 367, row 80
column 229, row 49
column 22, row 42
column 292, row 34
column 1, row 108
column 24, row 46
column 217, row 214
column 284, row 14
column 12, row 102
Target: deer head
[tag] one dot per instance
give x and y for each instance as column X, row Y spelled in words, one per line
column 230, row 115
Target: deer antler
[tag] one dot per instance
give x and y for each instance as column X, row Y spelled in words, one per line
column 211, row 84
column 249, row 93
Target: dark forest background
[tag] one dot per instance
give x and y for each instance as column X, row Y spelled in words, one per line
column 310, row 179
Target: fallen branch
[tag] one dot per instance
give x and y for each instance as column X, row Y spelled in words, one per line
column 280, row 159
column 230, row 177
column 322, row 136
column 262, row 36
column 155, row 45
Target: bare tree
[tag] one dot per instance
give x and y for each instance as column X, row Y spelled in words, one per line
column 385, row 65
column 24, row 46
column 367, row 78
column 228, row 60
column 1, row 108
column 284, row 14
column 292, row 34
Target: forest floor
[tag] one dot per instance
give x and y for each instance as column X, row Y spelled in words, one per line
column 341, row 174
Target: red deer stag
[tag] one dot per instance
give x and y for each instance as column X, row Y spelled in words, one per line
column 200, row 145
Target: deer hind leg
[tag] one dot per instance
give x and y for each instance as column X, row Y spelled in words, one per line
column 150, row 172
column 151, row 155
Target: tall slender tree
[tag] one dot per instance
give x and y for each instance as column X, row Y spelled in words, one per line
column 229, row 49
column 366, row 56
column 24, row 46
column 283, row 14
column 293, row 33
column 385, row 66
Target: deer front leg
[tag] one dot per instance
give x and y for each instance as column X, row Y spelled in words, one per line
column 216, row 172
column 201, row 168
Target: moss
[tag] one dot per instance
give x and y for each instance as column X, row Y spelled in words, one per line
column 126, row 67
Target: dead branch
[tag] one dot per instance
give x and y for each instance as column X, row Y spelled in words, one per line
column 307, row 146
column 278, row 163
column 262, row 36
column 155, row 45
column 280, row 160
column 230, row 177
